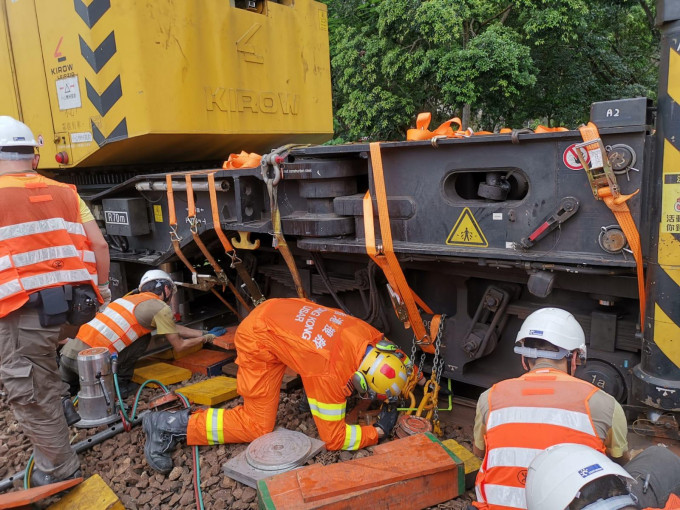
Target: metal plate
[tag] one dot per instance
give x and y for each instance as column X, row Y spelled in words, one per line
column 281, row 449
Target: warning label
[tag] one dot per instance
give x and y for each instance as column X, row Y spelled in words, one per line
column 670, row 204
column 68, row 93
column 466, row 232
column 570, row 159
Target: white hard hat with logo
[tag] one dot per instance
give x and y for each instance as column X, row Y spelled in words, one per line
column 15, row 134
column 556, row 326
column 158, row 276
column 556, row 476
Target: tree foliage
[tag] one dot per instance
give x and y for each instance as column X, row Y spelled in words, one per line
column 512, row 62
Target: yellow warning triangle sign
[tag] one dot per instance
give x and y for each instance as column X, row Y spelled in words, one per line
column 466, row 232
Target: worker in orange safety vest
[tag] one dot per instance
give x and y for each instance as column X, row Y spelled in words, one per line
column 334, row 353
column 54, row 267
column 518, row 418
column 125, row 328
column 576, row 477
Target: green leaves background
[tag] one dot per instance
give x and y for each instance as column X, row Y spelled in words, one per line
column 512, row 63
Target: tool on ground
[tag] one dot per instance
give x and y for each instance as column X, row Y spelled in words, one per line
column 96, row 398
column 566, row 209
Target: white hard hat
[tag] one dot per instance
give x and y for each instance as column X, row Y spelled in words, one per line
column 15, row 134
column 158, row 276
column 556, row 476
column 555, row 326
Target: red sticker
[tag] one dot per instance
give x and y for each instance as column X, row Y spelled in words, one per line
column 570, row 159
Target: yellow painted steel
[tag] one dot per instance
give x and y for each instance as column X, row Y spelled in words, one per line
column 667, row 335
column 170, row 80
column 666, row 331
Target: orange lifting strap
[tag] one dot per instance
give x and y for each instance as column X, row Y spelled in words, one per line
column 242, row 160
column 617, row 203
column 193, row 227
column 387, row 260
column 174, row 237
column 421, row 131
column 236, row 263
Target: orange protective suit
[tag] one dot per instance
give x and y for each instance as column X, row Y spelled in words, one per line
column 323, row 345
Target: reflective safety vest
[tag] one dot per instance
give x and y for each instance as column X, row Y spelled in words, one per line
column 540, row 409
column 116, row 327
column 42, row 239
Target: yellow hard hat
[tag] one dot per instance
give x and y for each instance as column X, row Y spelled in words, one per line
column 381, row 375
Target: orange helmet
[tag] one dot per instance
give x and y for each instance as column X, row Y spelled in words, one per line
column 381, row 375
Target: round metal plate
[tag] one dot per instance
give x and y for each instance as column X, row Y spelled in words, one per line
column 278, row 450
column 408, row 425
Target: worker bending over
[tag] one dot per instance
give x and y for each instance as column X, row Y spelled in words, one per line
column 334, row 354
column 576, row 477
column 125, row 327
column 518, row 418
column 54, row 268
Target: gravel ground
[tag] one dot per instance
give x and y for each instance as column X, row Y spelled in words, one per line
column 121, row 464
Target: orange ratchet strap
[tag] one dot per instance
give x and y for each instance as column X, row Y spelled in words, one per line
column 387, row 260
column 607, row 190
column 242, row 160
column 174, row 237
column 193, row 227
column 236, row 263
column 445, row 131
column 423, row 122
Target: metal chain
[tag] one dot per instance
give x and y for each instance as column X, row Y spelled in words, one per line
column 437, row 366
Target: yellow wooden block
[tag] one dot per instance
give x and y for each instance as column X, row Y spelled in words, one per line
column 472, row 463
column 211, row 391
column 92, row 494
column 162, row 372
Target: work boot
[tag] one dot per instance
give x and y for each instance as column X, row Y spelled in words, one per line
column 70, row 413
column 39, row 478
column 163, row 431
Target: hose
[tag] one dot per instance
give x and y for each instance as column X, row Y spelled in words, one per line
column 128, row 420
column 127, row 423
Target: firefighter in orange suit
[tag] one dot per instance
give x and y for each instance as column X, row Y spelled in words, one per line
column 51, row 254
column 334, row 354
column 519, row 418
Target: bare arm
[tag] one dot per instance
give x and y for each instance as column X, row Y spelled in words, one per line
column 100, row 249
column 185, row 332
column 180, row 345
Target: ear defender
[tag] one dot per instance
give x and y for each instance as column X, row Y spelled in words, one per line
column 359, row 382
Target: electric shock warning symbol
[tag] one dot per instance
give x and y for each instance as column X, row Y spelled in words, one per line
column 466, row 232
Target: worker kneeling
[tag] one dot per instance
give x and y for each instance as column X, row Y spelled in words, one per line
column 124, row 328
column 518, row 418
column 335, row 354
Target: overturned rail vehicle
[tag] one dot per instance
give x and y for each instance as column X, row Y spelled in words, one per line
column 485, row 228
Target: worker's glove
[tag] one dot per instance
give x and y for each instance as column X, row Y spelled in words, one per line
column 218, row 331
column 208, row 338
column 105, row 293
column 387, row 418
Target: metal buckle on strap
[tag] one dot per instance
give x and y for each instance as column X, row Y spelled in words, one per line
column 174, row 236
column 599, row 172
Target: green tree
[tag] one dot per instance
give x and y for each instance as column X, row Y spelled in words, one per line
column 495, row 62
